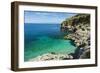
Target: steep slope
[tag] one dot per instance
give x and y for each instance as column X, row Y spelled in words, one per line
column 79, row 28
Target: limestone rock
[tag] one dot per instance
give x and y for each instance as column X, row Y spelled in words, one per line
column 79, row 25
column 52, row 56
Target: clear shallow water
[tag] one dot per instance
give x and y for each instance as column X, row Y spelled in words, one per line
column 45, row 38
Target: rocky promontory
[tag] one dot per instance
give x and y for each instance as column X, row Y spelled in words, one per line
column 78, row 27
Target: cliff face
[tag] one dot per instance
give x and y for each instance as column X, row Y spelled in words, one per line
column 79, row 28
column 75, row 22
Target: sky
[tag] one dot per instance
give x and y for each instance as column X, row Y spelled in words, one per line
column 45, row 17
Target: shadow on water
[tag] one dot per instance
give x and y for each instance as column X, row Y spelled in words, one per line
column 78, row 52
column 72, row 42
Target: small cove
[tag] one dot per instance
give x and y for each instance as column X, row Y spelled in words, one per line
column 40, row 39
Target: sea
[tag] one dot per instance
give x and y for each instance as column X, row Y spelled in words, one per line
column 42, row 38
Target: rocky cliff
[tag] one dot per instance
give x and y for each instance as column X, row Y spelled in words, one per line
column 79, row 28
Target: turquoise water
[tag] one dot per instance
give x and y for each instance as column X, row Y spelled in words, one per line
column 45, row 38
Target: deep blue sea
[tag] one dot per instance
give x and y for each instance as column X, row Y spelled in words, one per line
column 44, row 38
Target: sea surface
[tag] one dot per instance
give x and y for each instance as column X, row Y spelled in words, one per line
column 45, row 38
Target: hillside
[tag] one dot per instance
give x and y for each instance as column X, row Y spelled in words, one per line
column 79, row 28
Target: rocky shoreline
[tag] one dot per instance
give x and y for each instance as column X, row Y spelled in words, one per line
column 52, row 56
column 79, row 28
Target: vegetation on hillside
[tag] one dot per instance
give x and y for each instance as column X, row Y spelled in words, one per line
column 79, row 28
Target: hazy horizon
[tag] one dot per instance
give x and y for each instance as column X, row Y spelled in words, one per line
column 46, row 17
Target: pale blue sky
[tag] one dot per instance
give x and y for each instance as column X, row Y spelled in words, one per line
column 45, row 17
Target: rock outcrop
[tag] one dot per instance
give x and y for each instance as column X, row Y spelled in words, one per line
column 52, row 56
column 79, row 28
